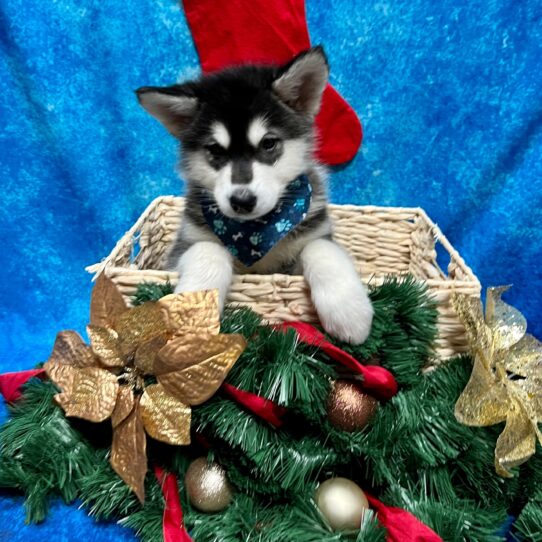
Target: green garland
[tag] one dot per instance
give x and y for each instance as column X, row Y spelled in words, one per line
column 414, row 454
column 529, row 502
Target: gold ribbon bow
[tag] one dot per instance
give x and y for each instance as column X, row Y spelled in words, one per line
column 506, row 380
column 146, row 365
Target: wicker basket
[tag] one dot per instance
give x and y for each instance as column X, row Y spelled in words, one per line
column 382, row 241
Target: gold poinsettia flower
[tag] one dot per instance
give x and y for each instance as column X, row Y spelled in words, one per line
column 144, row 368
column 506, row 380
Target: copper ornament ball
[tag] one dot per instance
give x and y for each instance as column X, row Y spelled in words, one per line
column 342, row 503
column 207, row 486
column 349, row 408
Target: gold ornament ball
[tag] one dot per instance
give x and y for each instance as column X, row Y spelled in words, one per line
column 349, row 408
column 342, row 502
column 207, row 486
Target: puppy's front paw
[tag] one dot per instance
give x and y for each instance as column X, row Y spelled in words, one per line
column 205, row 266
column 345, row 311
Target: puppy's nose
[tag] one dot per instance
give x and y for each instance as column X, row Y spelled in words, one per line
column 242, row 202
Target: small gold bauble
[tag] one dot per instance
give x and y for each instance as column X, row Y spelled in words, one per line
column 342, row 502
column 349, row 408
column 207, row 486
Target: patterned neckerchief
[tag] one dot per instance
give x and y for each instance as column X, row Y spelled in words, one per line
column 250, row 240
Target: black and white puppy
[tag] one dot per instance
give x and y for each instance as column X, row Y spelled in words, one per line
column 246, row 134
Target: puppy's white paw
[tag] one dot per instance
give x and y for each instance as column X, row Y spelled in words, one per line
column 345, row 312
column 337, row 292
column 205, row 266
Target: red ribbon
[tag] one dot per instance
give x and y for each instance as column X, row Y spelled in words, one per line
column 401, row 525
column 378, row 381
column 11, row 383
column 260, row 406
column 172, row 523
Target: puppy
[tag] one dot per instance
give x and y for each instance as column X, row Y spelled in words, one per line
column 255, row 195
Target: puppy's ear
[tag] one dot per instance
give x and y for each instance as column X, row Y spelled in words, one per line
column 175, row 106
column 302, row 81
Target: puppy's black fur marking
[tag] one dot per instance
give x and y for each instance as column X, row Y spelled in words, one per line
column 241, row 171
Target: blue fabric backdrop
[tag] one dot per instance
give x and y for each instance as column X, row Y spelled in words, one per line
column 449, row 93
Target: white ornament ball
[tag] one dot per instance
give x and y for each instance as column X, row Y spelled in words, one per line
column 342, row 502
column 207, row 486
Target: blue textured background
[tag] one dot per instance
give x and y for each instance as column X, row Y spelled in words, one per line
column 449, row 93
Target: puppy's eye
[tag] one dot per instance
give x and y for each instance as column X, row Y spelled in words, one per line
column 214, row 150
column 269, row 143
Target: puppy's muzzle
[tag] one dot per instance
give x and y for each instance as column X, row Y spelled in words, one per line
column 243, row 202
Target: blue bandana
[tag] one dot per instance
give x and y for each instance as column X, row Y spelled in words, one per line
column 250, row 240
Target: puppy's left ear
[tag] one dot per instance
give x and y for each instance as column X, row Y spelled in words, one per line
column 302, row 81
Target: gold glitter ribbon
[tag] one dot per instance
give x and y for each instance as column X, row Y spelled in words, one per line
column 176, row 340
column 506, row 380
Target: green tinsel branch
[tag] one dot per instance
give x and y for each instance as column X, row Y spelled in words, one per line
column 529, row 504
column 41, row 452
column 413, row 453
column 151, row 291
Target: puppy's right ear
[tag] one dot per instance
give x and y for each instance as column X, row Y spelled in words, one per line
column 175, row 106
column 302, row 81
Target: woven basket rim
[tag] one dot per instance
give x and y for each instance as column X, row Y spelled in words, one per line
column 401, row 240
column 415, row 212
